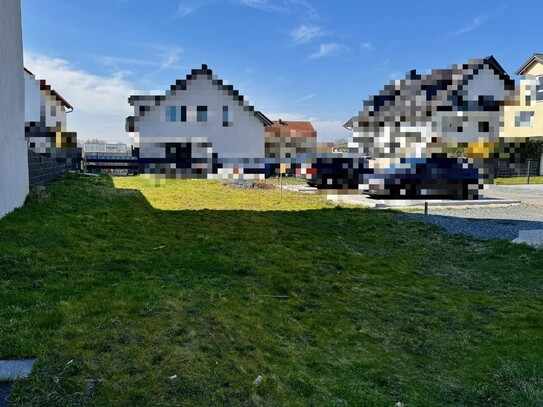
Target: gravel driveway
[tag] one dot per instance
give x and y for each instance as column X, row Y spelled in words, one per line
column 490, row 222
column 486, row 222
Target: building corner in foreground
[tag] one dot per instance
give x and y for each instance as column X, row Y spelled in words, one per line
column 13, row 149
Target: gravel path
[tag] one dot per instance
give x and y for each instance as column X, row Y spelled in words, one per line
column 486, row 222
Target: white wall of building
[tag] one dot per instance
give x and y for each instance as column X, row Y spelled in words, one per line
column 486, row 82
column 244, row 139
column 32, row 98
column 53, row 105
column 13, row 151
column 39, row 104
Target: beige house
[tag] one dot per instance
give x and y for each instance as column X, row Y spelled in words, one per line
column 524, row 118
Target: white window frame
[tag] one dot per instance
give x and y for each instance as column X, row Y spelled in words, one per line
column 539, row 88
column 524, row 123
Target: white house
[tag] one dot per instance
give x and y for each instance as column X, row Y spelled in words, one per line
column 435, row 114
column 199, row 128
column 454, row 112
column 43, row 104
column 45, row 122
column 13, row 152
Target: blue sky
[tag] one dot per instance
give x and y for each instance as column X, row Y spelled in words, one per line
column 292, row 59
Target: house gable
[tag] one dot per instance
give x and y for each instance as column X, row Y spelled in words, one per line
column 199, row 109
column 532, row 67
column 43, row 105
column 432, row 112
column 184, row 84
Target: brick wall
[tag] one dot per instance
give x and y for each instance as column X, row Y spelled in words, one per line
column 43, row 169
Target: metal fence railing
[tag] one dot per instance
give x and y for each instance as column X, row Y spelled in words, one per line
column 531, row 168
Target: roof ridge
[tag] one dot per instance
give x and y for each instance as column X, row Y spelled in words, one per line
column 181, row 85
column 46, row 87
column 535, row 56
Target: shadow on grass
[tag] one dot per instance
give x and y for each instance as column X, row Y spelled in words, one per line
column 125, row 304
column 480, row 228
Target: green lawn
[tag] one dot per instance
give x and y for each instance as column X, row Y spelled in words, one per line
column 132, row 295
column 518, row 180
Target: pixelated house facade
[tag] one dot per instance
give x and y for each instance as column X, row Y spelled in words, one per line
column 525, row 118
column 201, row 127
column 45, row 122
column 291, row 143
column 447, row 113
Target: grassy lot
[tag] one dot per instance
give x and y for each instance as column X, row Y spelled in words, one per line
column 518, row 180
column 183, row 294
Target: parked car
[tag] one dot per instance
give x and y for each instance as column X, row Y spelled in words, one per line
column 410, row 178
column 336, row 172
column 445, row 178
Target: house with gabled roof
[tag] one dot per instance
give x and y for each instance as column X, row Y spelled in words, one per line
column 454, row 112
column 290, row 143
column 435, row 114
column 46, row 129
column 201, row 127
column 289, row 139
column 524, row 119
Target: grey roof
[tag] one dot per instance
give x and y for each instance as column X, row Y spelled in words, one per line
column 417, row 97
column 534, row 57
column 204, row 71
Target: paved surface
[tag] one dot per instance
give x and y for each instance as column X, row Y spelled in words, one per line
column 532, row 237
column 14, row 369
column 11, row 370
column 512, row 212
column 377, row 203
column 486, row 222
column 5, row 389
column 302, row 188
column 529, row 194
column 522, row 223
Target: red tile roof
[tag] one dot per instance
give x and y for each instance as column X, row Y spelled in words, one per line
column 283, row 128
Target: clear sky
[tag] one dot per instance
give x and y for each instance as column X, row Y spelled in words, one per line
column 292, row 59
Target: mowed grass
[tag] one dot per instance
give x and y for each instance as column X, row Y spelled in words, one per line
column 518, row 180
column 209, row 194
column 132, row 295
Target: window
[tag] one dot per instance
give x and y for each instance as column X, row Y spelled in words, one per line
column 524, row 119
column 484, row 127
column 539, row 89
column 53, row 110
column 171, row 113
column 176, row 113
column 201, row 113
column 225, row 117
